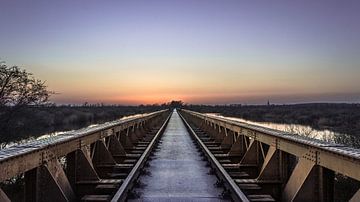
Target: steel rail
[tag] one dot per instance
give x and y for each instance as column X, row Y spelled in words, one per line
column 126, row 186
column 236, row 193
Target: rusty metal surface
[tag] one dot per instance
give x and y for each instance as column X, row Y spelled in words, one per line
column 336, row 157
column 20, row 158
column 331, row 147
column 177, row 171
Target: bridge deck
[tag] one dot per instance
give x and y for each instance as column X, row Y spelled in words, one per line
column 244, row 157
column 177, row 170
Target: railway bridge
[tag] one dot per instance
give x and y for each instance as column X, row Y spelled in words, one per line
column 177, row 155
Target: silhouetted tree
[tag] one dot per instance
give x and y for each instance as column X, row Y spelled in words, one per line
column 176, row 103
column 18, row 88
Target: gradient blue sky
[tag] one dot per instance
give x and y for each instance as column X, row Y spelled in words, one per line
column 201, row 51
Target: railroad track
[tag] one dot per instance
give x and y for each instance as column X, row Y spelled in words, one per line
column 239, row 184
column 159, row 186
column 151, row 142
column 117, row 180
column 105, row 163
column 231, row 189
column 213, row 152
column 254, row 163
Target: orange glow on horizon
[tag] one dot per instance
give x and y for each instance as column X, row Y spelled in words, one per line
column 154, row 53
column 209, row 98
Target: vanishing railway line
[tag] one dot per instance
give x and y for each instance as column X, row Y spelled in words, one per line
column 100, row 162
column 177, row 170
column 182, row 156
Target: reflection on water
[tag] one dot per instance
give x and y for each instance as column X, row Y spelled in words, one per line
column 325, row 135
column 47, row 135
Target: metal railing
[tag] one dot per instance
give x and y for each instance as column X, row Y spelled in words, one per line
column 308, row 152
column 20, row 158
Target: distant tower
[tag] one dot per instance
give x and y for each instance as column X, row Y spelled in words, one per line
column 268, row 103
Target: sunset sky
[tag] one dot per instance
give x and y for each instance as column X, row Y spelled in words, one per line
column 199, row 51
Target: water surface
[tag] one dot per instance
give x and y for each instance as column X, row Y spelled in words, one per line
column 325, row 135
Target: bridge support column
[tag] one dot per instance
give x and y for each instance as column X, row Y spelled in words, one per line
column 272, row 172
column 309, row 182
column 102, row 159
column 138, row 131
column 356, row 197
column 271, row 169
column 48, row 183
column 250, row 161
column 202, row 124
column 80, row 168
column 211, row 130
column 239, row 147
column 143, row 130
column 228, row 139
column 80, row 171
column 101, row 154
column 251, row 155
column 116, row 150
column 154, row 121
column 133, row 135
column 198, row 122
column 3, row 196
column 220, row 134
column 124, row 139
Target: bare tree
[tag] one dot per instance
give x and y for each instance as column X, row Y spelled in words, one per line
column 18, row 89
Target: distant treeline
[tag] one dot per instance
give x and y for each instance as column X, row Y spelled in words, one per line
column 342, row 118
column 33, row 121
